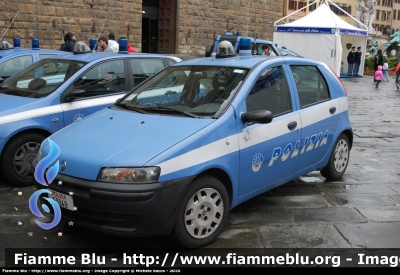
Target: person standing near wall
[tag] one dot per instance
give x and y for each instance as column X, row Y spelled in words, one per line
column 112, row 43
column 357, row 62
column 351, row 57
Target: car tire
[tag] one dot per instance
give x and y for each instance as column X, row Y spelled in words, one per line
column 338, row 160
column 17, row 158
column 202, row 214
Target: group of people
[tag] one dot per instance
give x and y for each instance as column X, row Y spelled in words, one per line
column 105, row 44
column 354, row 61
column 381, row 67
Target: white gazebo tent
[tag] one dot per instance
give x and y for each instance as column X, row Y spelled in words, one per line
column 322, row 35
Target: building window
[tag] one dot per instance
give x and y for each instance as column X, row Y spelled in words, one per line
column 383, row 3
column 302, row 4
column 398, row 15
column 394, row 14
column 292, row 5
column 383, row 18
column 312, row 7
column 388, row 16
column 334, row 9
column 377, row 15
column 378, row 3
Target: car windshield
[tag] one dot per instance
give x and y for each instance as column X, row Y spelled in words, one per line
column 41, row 78
column 196, row 91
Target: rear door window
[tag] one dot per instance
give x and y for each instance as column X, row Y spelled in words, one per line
column 311, row 85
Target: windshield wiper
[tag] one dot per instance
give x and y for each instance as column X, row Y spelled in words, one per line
column 139, row 110
column 160, row 107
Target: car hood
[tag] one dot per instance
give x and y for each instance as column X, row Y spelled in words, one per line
column 9, row 103
column 115, row 138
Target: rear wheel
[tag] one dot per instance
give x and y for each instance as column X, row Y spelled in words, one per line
column 17, row 158
column 202, row 214
column 338, row 160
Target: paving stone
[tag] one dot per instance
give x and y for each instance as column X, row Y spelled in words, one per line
column 260, row 217
column 365, row 188
column 305, row 236
column 329, row 215
column 371, row 235
column 381, row 213
column 242, row 237
column 274, row 202
column 360, row 200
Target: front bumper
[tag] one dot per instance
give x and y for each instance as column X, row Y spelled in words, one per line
column 137, row 210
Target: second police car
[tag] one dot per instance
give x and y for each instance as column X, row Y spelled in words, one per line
column 14, row 58
column 176, row 154
column 57, row 91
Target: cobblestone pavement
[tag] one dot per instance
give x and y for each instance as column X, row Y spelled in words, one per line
column 359, row 211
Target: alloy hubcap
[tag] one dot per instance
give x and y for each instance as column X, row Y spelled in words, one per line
column 204, row 212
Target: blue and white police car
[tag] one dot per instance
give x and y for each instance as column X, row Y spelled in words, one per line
column 13, row 58
column 182, row 149
column 57, row 91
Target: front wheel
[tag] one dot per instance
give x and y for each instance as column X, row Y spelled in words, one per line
column 338, row 160
column 202, row 214
column 17, row 158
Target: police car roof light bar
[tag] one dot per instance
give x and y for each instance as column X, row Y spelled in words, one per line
column 93, row 44
column 17, row 43
column 123, row 46
column 35, row 44
column 245, row 46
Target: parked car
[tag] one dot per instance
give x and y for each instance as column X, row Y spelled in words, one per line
column 57, row 91
column 285, row 52
column 256, row 44
column 196, row 140
column 13, row 58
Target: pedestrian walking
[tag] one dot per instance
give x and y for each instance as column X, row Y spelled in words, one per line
column 378, row 76
column 357, row 62
column 385, row 71
column 351, row 57
column 378, row 61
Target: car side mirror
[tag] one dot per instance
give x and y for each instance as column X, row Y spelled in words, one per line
column 75, row 94
column 259, row 116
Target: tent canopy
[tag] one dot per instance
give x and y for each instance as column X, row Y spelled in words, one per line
column 322, row 35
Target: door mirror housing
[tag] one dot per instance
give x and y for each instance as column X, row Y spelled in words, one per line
column 259, row 116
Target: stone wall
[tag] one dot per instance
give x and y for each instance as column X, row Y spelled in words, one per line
column 49, row 20
column 198, row 21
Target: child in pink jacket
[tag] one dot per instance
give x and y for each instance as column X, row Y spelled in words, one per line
column 378, row 76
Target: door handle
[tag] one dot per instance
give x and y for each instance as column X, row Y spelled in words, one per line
column 292, row 125
column 332, row 110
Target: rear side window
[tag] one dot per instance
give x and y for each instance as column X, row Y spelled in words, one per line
column 143, row 68
column 14, row 65
column 270, row 92
column 311, row 85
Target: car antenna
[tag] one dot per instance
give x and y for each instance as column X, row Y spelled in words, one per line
column 9, row 26
column 97, row 40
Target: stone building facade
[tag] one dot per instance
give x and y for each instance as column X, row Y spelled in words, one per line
column 196, row 22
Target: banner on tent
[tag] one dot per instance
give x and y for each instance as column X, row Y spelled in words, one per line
column 304, row 30
column 353, row 32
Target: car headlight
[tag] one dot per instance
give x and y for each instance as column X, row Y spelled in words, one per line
column 130, row 175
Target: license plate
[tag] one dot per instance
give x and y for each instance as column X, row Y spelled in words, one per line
column 65, row 201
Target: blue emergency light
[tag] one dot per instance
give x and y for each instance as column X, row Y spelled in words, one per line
column 123, row 46
column 17, row 43
column 93, row 44
column 35, row 44
column 245, row 46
